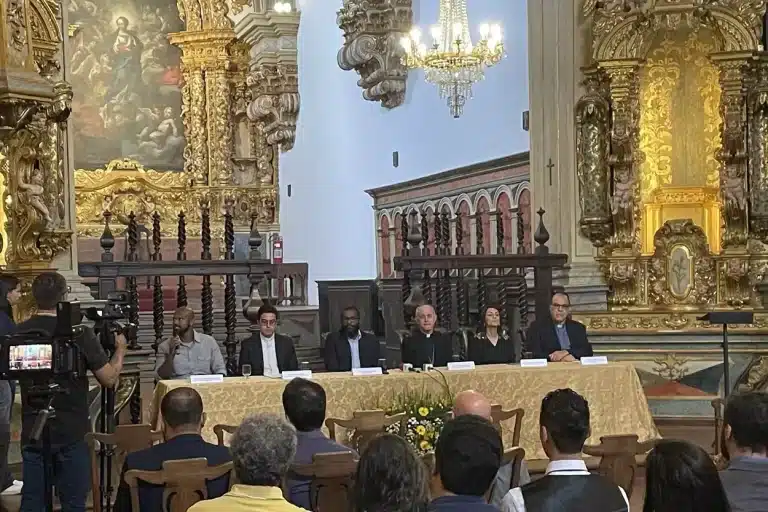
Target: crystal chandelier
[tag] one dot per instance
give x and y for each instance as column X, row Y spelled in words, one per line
column 452, row 62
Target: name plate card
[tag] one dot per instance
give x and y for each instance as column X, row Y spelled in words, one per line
column 205, row 379
column 591, row 361
column 300, row 374
column 461, row 365
column 374, row 370
column 533, row 363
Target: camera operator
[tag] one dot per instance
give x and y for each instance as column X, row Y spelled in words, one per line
column 68, row 427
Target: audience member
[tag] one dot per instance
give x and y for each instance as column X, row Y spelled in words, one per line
column 472, row 402
column 183, row 420
column 425, row 345
column 263, row 448
column 304, row 405
column 745, row 435
column 567, row 486
column 188, row 352
column 268, row 353
column 68, row 451
column 10, row 293
column 468, row 455
column 390, row 478
column 350, row 348
column 492, row 343
column 681, row 477
column 555, row 336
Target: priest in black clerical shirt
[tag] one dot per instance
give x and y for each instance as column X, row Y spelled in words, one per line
column 425, row 345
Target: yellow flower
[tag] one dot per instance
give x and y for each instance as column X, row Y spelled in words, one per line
column 423, row 411
column 421, row 430
column 424, row 445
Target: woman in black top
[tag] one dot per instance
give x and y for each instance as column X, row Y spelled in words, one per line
column 492, row 343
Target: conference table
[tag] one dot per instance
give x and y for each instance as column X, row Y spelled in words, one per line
column 616, row 399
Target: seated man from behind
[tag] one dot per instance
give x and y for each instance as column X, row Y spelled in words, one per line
column 263, row 448
column 425, row 345
column 304, row 405
column 188, row 352
column 567, row 486
column 467, row 457
column 267, row 352
column 183, row 420
column 472, row 402
column 745, row 436
column 350, row 348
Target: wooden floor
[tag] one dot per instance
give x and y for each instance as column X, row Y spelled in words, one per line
column 696, row 430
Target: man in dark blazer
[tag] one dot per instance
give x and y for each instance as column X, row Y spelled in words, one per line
column 183, row 419
column 267, row 352
column 350, row 348
column 425, row 345
column 556, row 337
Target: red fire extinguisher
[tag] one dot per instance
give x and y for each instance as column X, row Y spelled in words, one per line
column 277, row 250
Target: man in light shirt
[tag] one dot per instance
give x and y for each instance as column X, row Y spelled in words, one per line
column 567, row 485
column 267, row 352
column 188, row 352
column 473, row 403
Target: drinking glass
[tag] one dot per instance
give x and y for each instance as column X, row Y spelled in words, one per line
column 383, row 364
column 246, row 370
column 304, row 366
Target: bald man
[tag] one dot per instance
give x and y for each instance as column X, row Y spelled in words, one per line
column 425, row 345
column 188, row 352
column 473, row 403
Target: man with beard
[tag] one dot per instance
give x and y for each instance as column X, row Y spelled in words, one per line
column 349, row 347
column 188, row 352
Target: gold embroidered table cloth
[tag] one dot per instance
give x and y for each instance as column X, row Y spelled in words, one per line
column 617, row 402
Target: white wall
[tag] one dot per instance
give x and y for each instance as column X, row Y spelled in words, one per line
column 344, row 144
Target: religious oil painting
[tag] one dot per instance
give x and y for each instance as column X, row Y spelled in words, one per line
column 127, row 83
column 680, row 271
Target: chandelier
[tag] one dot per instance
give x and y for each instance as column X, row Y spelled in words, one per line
column 452, row 62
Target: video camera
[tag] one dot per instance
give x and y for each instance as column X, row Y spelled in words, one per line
column 112, row 319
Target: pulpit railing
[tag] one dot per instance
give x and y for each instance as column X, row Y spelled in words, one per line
column 454, row 282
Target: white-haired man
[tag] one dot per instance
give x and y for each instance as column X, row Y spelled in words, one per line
column 425, row 345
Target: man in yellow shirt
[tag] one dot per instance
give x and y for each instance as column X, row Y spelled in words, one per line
column 263, row 449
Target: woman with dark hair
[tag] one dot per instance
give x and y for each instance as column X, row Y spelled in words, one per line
column 681, row 477
column 390, row 478
column 492, row 343
column 10, row 293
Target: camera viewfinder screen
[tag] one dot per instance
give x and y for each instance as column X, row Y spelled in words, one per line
column 30, row 357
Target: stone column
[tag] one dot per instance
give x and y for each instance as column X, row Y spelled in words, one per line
column 558, row 47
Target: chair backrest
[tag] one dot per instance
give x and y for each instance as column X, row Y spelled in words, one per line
column 498, row 415
column 184, row 482
column 513, row 456
column 365, row 426
column 220, row 429
column 124, row 440
column 617, row 458
column 718, row 405
column 332, row 482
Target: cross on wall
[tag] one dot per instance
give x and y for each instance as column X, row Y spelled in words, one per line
column 550, row 166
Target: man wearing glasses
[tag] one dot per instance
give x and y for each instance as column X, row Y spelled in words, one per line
column 267, row 352
column 556, row 337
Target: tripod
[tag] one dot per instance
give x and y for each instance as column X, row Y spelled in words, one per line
column 41, row 435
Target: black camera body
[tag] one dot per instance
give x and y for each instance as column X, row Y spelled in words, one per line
column 112, row 319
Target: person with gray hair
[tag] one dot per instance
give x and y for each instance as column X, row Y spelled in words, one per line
column 263, row 448
column 425, row 345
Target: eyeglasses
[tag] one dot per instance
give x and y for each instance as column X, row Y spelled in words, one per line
column 561, row 306
column 268, row 323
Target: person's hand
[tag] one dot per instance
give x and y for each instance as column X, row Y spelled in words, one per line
column 173, row 342
column 120, row 342
column 558, row 356
column 568, row 359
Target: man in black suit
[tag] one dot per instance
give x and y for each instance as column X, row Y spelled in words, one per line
column 183, row 419
column 350, row 348
column 268, row 353
column 425, row 345
column 556, row 337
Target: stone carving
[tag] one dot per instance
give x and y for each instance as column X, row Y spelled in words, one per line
column 592, row 141
column 373, row 30
column 275, row 92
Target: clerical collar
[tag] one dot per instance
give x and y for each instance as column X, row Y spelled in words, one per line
column 560, row 326
column 427, row 334
column 267, row 340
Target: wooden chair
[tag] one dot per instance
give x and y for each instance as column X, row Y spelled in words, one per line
column 618, row 458
column 125, row 439
column 220, row 429
column 184, row 482
column 498, row 415
column 332, row 480
column 366, row 425
column 515, row 457
column 429, row 461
